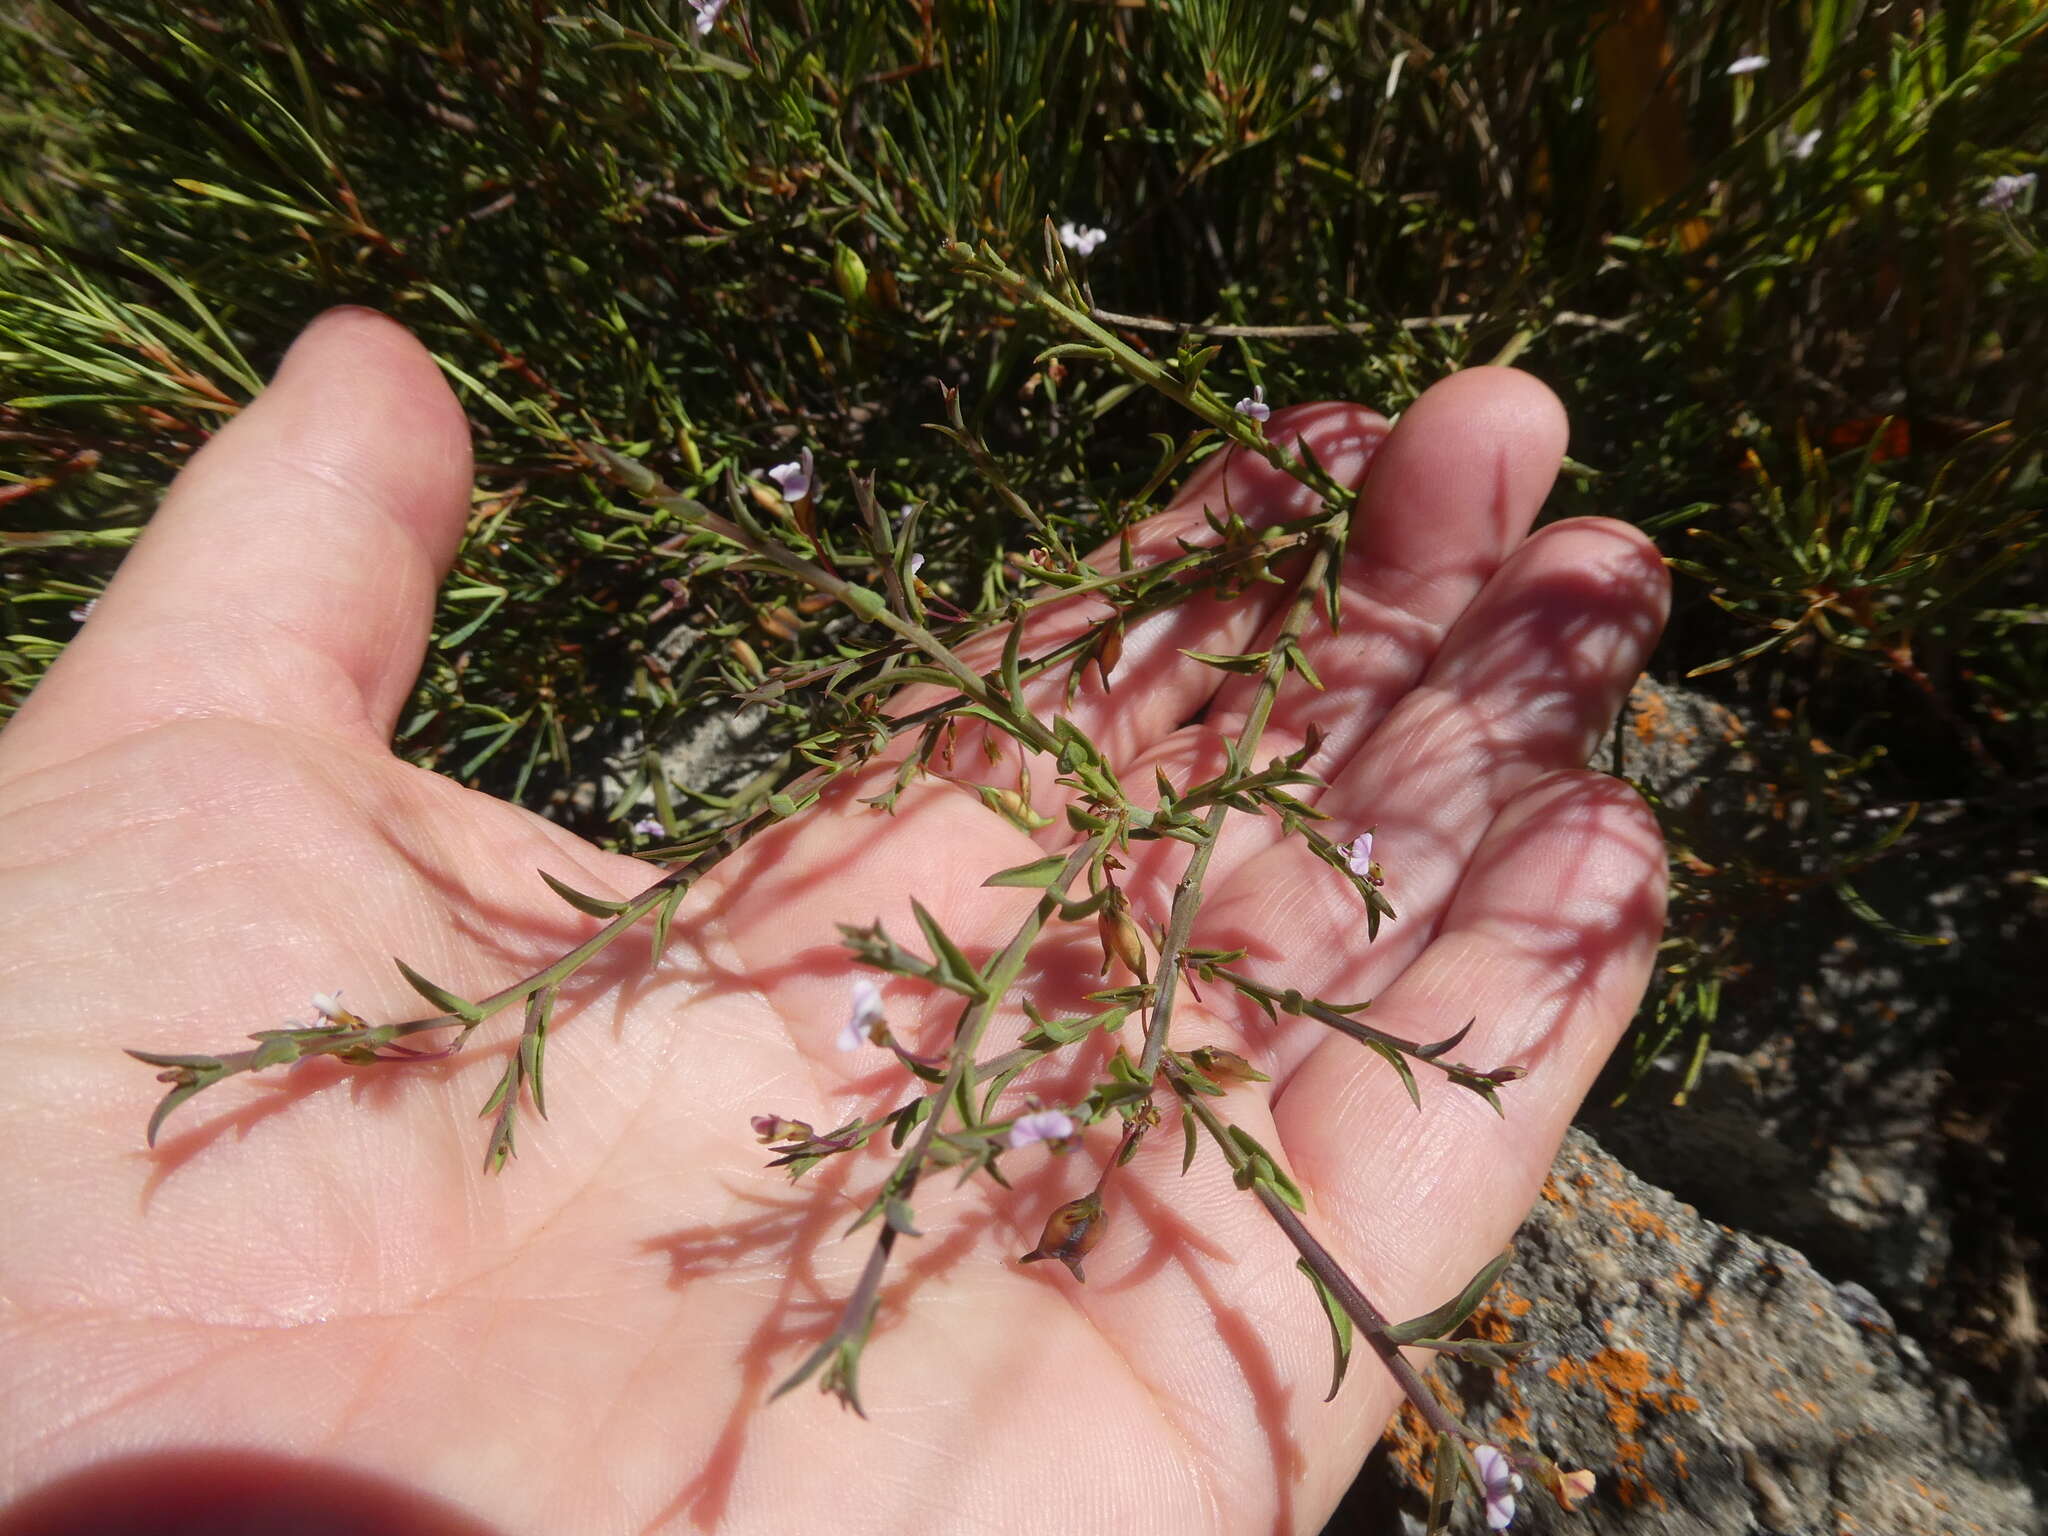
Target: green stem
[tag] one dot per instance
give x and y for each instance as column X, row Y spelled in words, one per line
column 1187, row 895
column 864, row 601
column 1201, row 401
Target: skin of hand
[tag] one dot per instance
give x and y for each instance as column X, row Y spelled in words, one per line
column 311, row 1298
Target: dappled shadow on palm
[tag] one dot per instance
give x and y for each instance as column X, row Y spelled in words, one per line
column 783, row 1238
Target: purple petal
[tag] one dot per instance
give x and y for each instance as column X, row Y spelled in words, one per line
column 859, row 1028
column 1041, row 1125
column 794, row 478
column 1499, row 1482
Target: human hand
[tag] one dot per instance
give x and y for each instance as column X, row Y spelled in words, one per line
column 309, row 1294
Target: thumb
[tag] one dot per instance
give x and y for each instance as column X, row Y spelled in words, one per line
column 289, row 576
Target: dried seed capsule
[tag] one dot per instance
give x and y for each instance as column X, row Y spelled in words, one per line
column 1069, row 1233
column 1119, row 934
column 1109, row 651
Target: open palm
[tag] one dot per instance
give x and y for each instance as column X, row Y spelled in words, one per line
column 309, row 1304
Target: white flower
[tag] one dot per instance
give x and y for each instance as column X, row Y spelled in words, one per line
column 794, row 478
column 916, row 564
column 707, row 14
column 1358, row 855
column 1748, row 64
column 1041, row 1125
column 1802, row 146
column 328, row 1006
column 649, row 826
column 859, row 1028
column 84, row 611
column 2006, row 190
column 1254, row 404
column 1081, row 239
column 1500, row 1482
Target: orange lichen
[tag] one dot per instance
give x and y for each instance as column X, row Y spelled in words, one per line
column 1631, row 1392
column 1651, row 715
column 1689, row 1283
column 1643, row 1219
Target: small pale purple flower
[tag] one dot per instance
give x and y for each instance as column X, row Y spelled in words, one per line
column 794, row 478
column 1748, row 64
column 1802, row 147
column 84, row 610
column 1081, row 239
column 1254, row 404
column 1041, row 1125
column 707, row 15
column 916, row 564
column 859, row 1028
column 2006, row 190
column 1500, row 1483
column 649, row 826
column 1358, row 855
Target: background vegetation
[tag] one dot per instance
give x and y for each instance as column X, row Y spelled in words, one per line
column 1783, row 262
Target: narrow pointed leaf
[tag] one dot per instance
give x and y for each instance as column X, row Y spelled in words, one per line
column 1037, row 875
column 1341, row 1327
column 1446, row 1319
column 1400, row 1064
column 954, row 968
column 165, row 1105
column 595, row 906
column 1442, row 1047
column 1443, row 1484
column 664, row 914
column 533, row 1045
column 439, row 996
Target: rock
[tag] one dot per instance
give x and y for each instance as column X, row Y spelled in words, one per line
column 1816, row 1117
column 1715, row 1383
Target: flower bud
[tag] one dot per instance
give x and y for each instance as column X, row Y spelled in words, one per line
column 1069, row 1233
column 850, row 276
column 775, row 1128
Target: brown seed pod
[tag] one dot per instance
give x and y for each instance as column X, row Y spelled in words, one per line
column 1069, row 1233
column 1119, row 934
